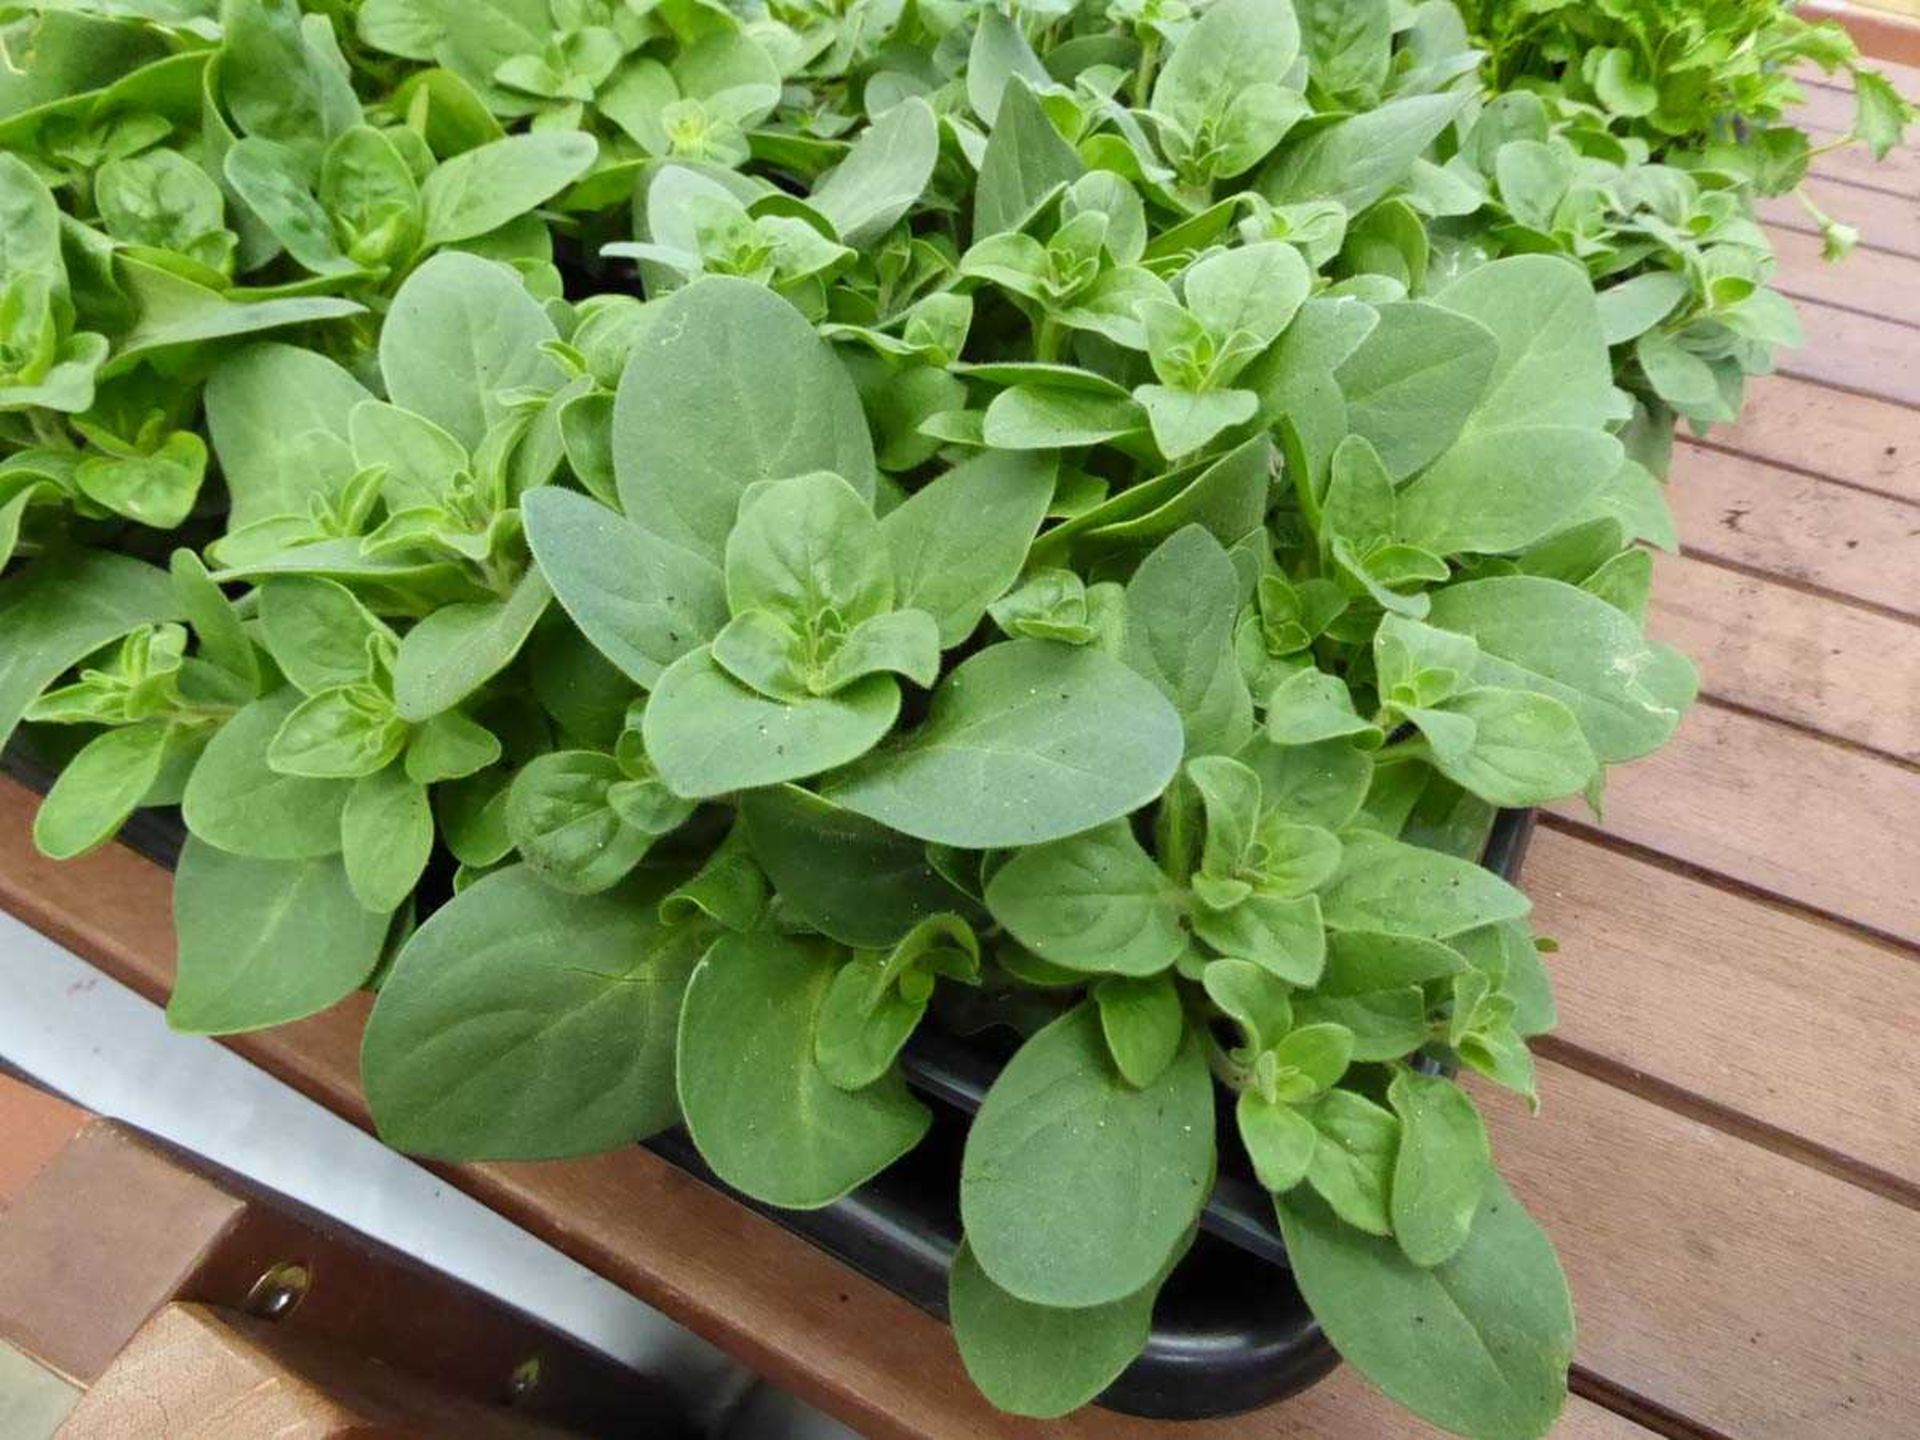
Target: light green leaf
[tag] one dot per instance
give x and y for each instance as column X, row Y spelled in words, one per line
column 958, row 543
column 1401, row 889
column 266, row 404
column 1026, row 163
column 1627, row 692
column 695, row 422
column 99, row 788
column 777, row 1127
column 883, row 175
column 1041, row 1360
column 1412, row 383
column 482, row 189
column 1076, row 1188
column 1180, row 610
column 1358, row 159
column 1443, row 1168
column 1026, row 741
column 263, row 942
column 386, row 835
column 1094, row 902
column 234, row 800
column 1479, row 1344
column 458, row 648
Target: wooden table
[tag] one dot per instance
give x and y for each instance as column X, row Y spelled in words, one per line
column 1729, row 1157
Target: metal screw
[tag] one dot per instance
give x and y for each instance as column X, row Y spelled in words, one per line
column 275, row 1294
column 520, row 1384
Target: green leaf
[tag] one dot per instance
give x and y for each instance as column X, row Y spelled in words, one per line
column 482, row 189
column 338, row 734
column 1479, row 1344
column 883, row 175
column 565, row 826
column 642, row 601
column 709, row 734
column 267, row 406
column 64, row 606
column 1353, row 1159
column 1443, row 1168
column 175, row 311
column 1501, row 489
column 99, row 788
column 1144, row 1024
column 1025, row 164
column 960, row 542
column 386, row 835
column 1180, row 609
column 523, row 1023
column 1348, row 43
column 1627, row 692
column 1238, row 50
column 1527, row 748
column 235, row 801
column 458, row 648
column 1279, row 1140
column 1093, row 902
column 1041, row 1360
column 1412, row 383
column 1882, row 114
column 1358, row 159
column 1026, row 741
column 1633, row 307
column 461, row 331
column 317, row 632
column 695, row 422
column 1553, row 368
column 777, row 1127
column 855, row 881
column 1384, row 885
column 1076, row 1188
column 263, row 942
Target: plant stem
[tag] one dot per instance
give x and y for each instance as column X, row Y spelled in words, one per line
column 1143, row 73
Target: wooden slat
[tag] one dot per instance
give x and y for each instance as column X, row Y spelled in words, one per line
column 34, row 1126
column 194, row 1370
column 762, row 1294
column 1891, row 42
column 1875, row 280
column 1755, row 1009
column 1345, row 1407
column 1785, row 812
column 1850, row 542
column 1810, row 427
column 1857, row 352
column 1884, row 222
column 1736, row 1287
column 1895, row 173
column 1832, row 667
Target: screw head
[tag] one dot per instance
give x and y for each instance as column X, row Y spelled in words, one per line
column 279, row 1291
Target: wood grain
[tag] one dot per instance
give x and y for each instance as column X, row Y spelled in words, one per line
column 1813, row 1027
column 1779, row 810
column 1868, row 443
column 1871, row 280
column 1749, row 1293
column 1760, row 517
column 1895, row 173
column 1856, row 352
column 1885, row 222
column 35, row 1127
column 195, row 1371
column 1833, row 667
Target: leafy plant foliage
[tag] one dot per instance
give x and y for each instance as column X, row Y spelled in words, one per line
column 706, row 538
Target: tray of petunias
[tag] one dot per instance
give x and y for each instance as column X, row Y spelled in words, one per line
column 761, row 574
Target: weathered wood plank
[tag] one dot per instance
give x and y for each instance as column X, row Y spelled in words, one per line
column 1884, row 222
column 1850, row 542
column 1759, row 1297
column 1888, row 285
column 1832, row 667
column 1806, row 426
column 1895, row 173
column 1857, row 352
column 1756, row 1009
column 1789, row 813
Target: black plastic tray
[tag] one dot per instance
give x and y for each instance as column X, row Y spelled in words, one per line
column 1228, row 1335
